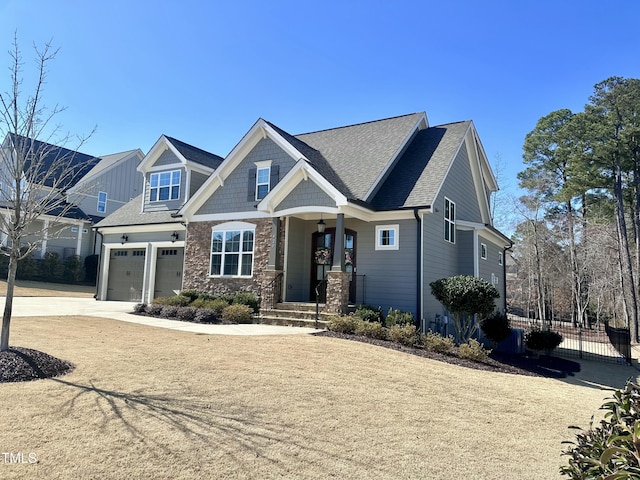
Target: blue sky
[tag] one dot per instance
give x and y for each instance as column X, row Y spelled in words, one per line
column 204, row 72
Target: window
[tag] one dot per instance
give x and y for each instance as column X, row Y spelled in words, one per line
column 500, row 258
column 232, row 253
column 449, row 221
column 164, row 186
column 263, row 175
column 102, row 202
column 483, row 251
column 387, row 237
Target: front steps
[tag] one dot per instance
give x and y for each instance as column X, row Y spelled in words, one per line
column 295, row 315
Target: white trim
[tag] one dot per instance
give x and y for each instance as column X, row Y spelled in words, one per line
column 396, row 237
column 476, row 260
column 501, row 257
column 483, row 251
column 170, row 186
column 286, row 259
column 449, row 224
column 264, row 165
column 224, row 228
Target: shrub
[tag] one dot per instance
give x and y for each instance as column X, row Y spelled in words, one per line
column 205, row 315
column 371, row 330
column 398, row 317
column 140, row 308
column 473, row 350
column 547, row 340
column 72, row 269
column 345, row 324
column 247, row 298
column 369, row 313
column 186, row 313
column 237, row 314
column 175, row 301
column 191, row 294
column 154, row 309
column 435, row 342
column 169, row 311
column 610, row 450
column 27, row 267
column 496, row 327
column 51, row 267
column 403, row 334
column 465, row 296
column 91, row 268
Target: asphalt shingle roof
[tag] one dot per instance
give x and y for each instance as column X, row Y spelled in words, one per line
column 195, row 154
column 418, row 174
column 129, row 214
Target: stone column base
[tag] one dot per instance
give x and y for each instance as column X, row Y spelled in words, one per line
column 337, row 292
column 271, row 289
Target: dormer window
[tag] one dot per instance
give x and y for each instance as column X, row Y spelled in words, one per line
column 164, row 186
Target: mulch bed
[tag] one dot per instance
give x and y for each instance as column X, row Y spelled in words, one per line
column 530, row 365
column 20, row 364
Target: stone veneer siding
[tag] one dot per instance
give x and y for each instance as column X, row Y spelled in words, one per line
column 198, row 256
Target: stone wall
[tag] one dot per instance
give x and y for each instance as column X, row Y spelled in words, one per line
column 198, row 257
column 337, row 292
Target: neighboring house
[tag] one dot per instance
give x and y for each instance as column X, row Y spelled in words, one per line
column 364, row 214
column 143, row 242
column 95, row 187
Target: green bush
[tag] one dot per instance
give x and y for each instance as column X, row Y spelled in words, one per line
column 4, row 266
column 247, row 298
column 192, row 294
column 473, row 350
column 186, row 314
column 398, row 317
column 237, row 314
column 542, row 340
column 51, row 267
column 435, row 342
column 91, row 268
column 345, row 324
column 612, row 449
column 404, row 334
column 72, row 269
column 371, row 330
column 175, row 301
column 369, row 313
column 496, row 327
column 27, row 267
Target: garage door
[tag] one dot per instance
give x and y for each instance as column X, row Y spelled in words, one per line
column 168, row 272
column 126, row 273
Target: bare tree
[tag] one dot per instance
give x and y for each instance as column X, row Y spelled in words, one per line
column 34, row 173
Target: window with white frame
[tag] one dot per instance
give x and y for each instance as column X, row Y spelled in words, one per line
column 232, row 252
column 483, row 251
column 449, row 221
column 387, row 237
column 263, row 184
column 164, row 186
column 102, row 202
column 500, row 258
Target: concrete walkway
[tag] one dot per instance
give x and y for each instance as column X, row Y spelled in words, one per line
column 54, row 306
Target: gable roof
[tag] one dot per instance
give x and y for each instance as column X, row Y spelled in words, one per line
column 195, row 154
column 359, row 155
column 418, row 174
column 109, row 161
column 45, row 156
column 130, row 214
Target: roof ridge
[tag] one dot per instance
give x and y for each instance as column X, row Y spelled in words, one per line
column 359, row 124
column 450, row 123
column 191, row 146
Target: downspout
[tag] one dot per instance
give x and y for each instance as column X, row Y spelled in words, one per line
column 95, row 239
column 418, row 268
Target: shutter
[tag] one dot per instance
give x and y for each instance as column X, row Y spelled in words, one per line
column 251, row 195
column 275, row 176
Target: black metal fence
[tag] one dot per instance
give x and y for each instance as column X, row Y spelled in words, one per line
column 598, row 342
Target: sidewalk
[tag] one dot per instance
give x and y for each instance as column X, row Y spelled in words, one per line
column 55, row 306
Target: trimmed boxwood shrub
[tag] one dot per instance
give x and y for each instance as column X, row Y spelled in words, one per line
column 206, row 315
column 346, row 324
column 51, row 267
column 371, row 330
column 496, row 327
column 186, row 314
column 369, row 313
column 403, row 334
column 542, row 340
column 237, row 314
column 473, row 350
column 72, row 269
column 247, row 298
column 398, row 317
column 435, row 342
column 192, row 294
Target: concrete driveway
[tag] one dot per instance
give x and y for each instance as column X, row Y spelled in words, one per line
column 54, row 306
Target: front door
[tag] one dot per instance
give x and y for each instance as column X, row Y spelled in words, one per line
column 322, row 248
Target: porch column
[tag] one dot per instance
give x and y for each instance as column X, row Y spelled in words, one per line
column 79, row 239
column 338, row 250
column 275, row 245
column 45, row 237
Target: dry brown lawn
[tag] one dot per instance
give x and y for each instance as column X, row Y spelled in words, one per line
column 146, row 402
column 28, row 288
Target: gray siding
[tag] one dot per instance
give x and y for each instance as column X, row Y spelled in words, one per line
column 490, row 269
column 232, row 197
column 298, row 261
column 197, row 179
column 466, row 265
column 306, row 193
column 166, row 158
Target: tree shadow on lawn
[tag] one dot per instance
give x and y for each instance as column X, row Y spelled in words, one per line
column 234, row 429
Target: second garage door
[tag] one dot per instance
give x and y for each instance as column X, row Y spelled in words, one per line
column 168, row 272
column 126, row 273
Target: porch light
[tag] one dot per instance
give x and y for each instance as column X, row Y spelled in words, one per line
column 174, row 236
column 124, row 238
column 321, row 226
